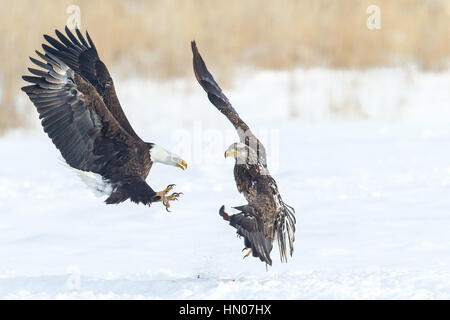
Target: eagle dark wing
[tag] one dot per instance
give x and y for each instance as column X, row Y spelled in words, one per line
column 76, row 119
column 82, row 57
column 220, row 101
column 251, row 227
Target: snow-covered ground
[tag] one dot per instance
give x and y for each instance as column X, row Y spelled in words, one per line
column 366, row 166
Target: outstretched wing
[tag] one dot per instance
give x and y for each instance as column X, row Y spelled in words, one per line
column 76, row 119
column 220, row 101
column 251, row 227
column 81, row 56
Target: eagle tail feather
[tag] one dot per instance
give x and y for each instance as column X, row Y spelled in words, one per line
column 135, row 189
column 285, row 230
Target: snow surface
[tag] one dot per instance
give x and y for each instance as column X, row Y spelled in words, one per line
column 371, row 191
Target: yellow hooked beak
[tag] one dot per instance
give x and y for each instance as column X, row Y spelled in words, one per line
column 182, row 164
column 230, row 153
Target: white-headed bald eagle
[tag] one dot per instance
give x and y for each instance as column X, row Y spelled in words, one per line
column 266, row 216
column 76, row 100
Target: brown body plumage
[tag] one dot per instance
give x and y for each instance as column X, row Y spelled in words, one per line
column 265, row 216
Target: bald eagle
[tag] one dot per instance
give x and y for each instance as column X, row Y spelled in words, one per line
column 75, row 97
column 265, row 216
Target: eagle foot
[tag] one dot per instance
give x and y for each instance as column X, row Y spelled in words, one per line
column 165, row 198
column 162, row 194
column 167, row 189
column 173, row 197
column 248, row 253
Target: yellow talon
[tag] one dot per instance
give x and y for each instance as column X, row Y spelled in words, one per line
column 248, row 253
column 163, row 193
column 173, row 196
column 164, row 198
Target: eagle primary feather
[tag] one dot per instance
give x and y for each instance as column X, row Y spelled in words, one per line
column 220, row 101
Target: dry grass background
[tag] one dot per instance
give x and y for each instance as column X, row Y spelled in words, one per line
column 151, row 38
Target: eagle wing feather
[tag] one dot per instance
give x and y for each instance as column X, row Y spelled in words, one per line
column 82, row 57
column 221, row 102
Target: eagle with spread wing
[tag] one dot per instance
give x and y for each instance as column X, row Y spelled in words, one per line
column 265, row 216
column 79, row 110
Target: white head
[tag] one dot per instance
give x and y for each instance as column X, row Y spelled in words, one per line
column 242, row 153
column 161, row 155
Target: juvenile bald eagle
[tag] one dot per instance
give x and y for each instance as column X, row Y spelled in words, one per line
column 265, row 216
column 76, row 100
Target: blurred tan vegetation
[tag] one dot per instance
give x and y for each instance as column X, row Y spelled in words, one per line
column 151, row 38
